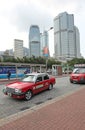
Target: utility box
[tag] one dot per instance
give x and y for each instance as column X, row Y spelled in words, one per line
column 56, row 70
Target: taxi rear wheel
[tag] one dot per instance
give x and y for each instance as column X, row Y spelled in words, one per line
column 50, row 87
column 71, row 81
column 28, row 95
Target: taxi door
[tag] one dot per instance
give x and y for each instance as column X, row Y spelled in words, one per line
column 39, row 85
column 46, row 81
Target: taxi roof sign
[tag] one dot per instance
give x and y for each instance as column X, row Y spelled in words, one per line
column 79, row 65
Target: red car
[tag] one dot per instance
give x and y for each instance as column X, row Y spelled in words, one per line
column 28, row 86
column 78, row 75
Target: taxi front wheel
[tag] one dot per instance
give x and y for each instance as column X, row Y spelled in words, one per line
column 28, row 95
column 50, row 87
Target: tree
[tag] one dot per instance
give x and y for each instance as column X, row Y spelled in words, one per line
column 76, row 61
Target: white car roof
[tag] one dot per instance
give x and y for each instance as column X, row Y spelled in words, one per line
column 36, row 74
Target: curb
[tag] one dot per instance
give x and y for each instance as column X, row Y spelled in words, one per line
column 4, row 81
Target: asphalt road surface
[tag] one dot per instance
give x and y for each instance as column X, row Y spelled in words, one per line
column 9, row 106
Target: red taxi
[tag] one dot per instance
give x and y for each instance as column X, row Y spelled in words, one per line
column 78, row 74
column 28, row 86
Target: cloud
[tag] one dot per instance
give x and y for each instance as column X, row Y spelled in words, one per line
column 23, row 13
column 16, row 16
column 41, row 12
column 23, row 16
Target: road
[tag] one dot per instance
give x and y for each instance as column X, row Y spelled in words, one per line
column 9, row 106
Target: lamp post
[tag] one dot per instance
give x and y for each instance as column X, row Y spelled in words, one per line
column 47, row 56
column 46, row 63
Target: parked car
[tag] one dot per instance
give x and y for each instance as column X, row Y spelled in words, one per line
column 67, row 71
column 78, row 75
column 31, row 84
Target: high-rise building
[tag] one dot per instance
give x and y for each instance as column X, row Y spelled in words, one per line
column 18, row 48
column 66, row 37
column 26, row 52
column 77, row 42
column 44, row 44
column 9, row 52
column 34, row 41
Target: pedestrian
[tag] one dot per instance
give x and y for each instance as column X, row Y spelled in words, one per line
column 8, row 74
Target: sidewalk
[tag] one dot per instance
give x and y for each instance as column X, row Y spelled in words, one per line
column 64, row 113
column 4, row 81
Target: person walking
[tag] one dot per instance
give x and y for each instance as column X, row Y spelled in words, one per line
column 8, row 74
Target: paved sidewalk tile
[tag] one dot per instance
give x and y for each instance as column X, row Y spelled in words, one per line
column 65, row 114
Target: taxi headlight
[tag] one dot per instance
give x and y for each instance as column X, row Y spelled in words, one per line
column 82, row 78
column 18, row 90
column 5, row 87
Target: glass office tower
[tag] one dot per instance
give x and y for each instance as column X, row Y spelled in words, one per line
column 44, row 43
column 65, row 44
column 34, row 41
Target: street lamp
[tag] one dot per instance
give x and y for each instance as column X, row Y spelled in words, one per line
column 51, row 28
column 47, row 57
column 46, row 63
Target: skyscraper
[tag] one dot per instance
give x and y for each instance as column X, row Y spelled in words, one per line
column 77, row 42
column 34, row 41
column 26, row 52
column 65, row 37
column 18, row 48
column 44, row 44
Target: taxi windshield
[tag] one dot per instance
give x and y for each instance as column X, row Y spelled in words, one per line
column 79, row 71
column 29, row 78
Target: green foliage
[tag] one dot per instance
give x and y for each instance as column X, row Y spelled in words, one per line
column 33, row 60
column 52, row 61
column 76, row 61
column 43, row 60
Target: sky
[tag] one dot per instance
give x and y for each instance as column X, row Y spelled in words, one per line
column 16, row 17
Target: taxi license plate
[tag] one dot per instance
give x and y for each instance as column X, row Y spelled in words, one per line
column 9, row 94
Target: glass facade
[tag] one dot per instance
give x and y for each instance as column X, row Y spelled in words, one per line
column 77, row 41
column 34, row 41
column 44, row 41
column 64, row 36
